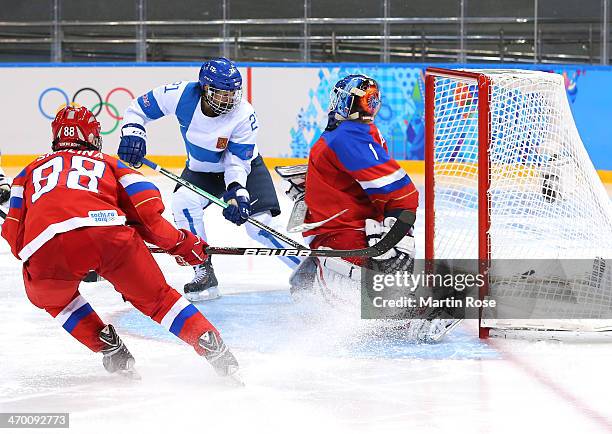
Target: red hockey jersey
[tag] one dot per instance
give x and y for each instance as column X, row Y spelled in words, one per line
column 350, row 168
column 71, row 189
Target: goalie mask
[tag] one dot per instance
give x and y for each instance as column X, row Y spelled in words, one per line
column 221, row 84
column 74, row 128
column 355, row 97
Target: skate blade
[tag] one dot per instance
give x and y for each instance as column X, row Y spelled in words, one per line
column 437, row 337
column 203, row 296
column 236, row 379
column 132, row 374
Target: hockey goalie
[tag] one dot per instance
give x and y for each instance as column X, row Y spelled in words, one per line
column 348, row 197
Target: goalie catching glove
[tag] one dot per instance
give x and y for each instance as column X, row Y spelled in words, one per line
column 189, row 250
column 398, row 258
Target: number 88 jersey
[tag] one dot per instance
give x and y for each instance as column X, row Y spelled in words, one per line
column 70, row 189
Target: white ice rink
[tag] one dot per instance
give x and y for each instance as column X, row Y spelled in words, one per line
column 306, row 372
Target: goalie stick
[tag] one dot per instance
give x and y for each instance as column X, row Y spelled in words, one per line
column 396, row 233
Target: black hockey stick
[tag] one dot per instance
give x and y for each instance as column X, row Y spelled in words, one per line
column 395, row 234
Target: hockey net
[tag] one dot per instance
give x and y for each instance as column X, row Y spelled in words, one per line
column 508, row 178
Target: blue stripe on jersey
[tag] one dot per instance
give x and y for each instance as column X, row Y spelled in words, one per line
column 202, row 154
column 122, row 165
column 15, row 202
column 77, row 316
column 149, row 106
column 355, row 148
column 138, row 187
column 190, row 220
column 185, row 109
column 178, row 323
column 244, row 151
column 21, row 174
column 405, row 180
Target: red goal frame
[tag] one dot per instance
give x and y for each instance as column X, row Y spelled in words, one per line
column 484, row 176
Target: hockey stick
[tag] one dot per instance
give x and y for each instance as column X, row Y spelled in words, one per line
column 395, row 234
column 309, row 226
column 214, row 199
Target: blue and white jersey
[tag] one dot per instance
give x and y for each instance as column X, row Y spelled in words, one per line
column 226, row 143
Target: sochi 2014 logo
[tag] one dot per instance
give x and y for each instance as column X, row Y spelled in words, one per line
column 52, row 99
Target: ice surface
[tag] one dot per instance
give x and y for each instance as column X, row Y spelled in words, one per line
column 307, row 369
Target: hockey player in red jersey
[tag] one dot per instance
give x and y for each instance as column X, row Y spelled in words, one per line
column 354, row 191
column 349, row 167
column 77, row 209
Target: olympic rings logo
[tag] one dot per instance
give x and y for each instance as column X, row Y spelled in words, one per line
column 96, row 109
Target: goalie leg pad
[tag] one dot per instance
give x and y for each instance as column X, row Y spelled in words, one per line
column 430, row 331
column 339, row 283
column 302, row 278
column 296, row 177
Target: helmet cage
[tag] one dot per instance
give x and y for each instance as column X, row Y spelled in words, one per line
column 221, row 85
column 222, row 101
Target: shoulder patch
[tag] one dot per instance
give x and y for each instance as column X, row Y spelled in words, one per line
column 222, row 142
column 145, row 100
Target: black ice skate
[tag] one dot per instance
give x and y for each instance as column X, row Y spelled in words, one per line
column 220, row 357
column 204, row 283
column 117, row 358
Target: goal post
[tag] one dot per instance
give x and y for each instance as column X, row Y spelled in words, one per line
column 481, row 82
column 508, row 178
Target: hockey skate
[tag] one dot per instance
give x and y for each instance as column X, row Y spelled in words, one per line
column 430, row 331
column 204, row 283
column 117, row 358
column 220, row 357
column 302, row 279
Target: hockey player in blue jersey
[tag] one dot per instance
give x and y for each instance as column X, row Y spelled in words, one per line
column 219, row 130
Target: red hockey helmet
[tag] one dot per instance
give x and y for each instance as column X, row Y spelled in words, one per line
column 76, row 127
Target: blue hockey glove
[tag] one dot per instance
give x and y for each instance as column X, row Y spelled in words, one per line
column 239, row 201
column 133, row 145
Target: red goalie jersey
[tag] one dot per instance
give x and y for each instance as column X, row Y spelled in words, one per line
column 350, row 168
column 81, row 189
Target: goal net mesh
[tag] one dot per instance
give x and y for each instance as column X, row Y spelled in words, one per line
column 549, row 212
